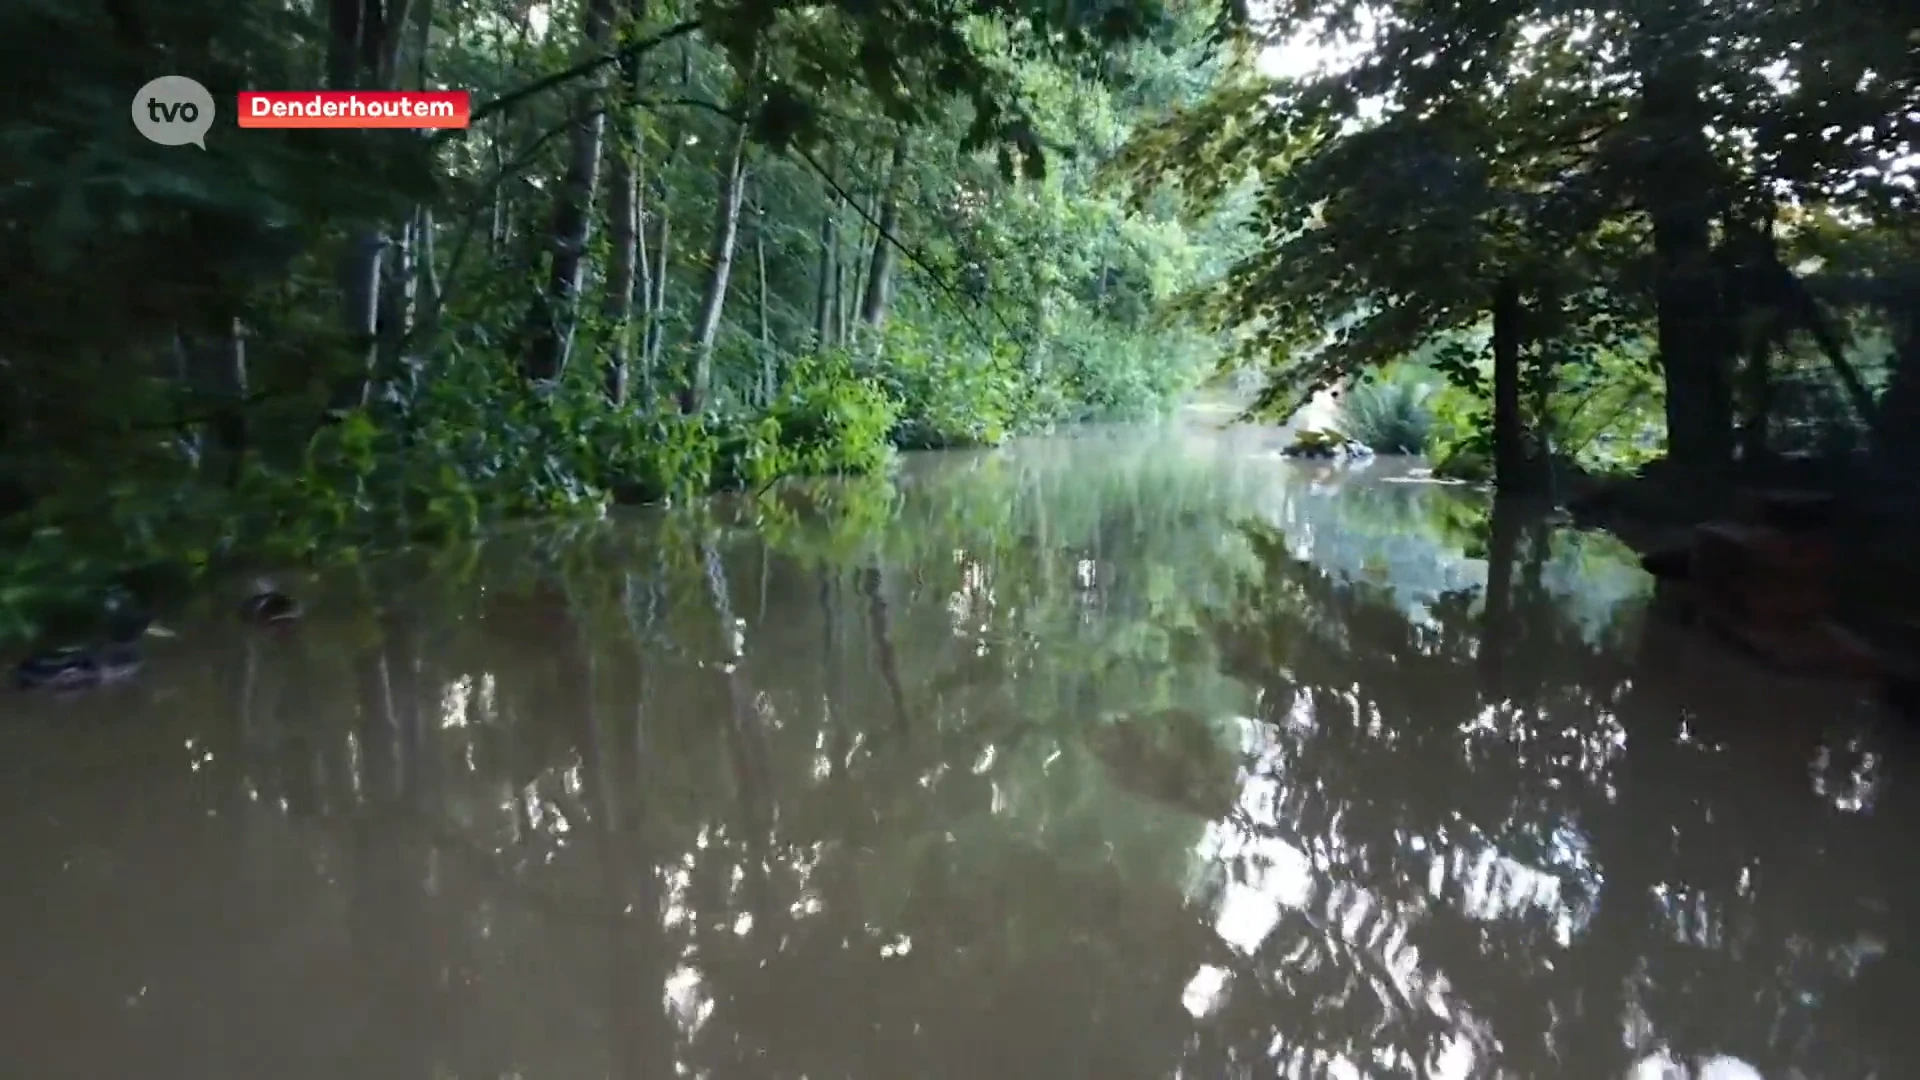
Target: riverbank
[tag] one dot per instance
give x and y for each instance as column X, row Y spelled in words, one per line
column 1865, row 588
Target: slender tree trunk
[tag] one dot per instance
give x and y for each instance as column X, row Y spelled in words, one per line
column 547, row 334
column 387, row 47
column 361, row 272
column 362, row 53
column 843, row 294
column 413, row 294
column 663, row 245
column 1509, row 449
column 623, row 228
column 643, row 283
column 623, row 224
column 398, row 294
column 828, row 270
column 726, row 232
column 873, row 305
column 500, row 227
column 769, row 362
column 427, row 299
column 861, row 264
column 657, row 305
column 228, row 387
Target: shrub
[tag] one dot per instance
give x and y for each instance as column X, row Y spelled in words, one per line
column 950, row 392
column 1392, row 415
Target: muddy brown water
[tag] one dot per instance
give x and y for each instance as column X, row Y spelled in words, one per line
column 1136, row 753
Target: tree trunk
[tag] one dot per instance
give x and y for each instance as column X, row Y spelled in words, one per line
column 427, row 297
column 360, row 275
column 500, row 225
column 657, row 304
column 643, row 284
column 1693, row 351
column 769, row 362
column 229, row 391
column 1509, row 446
column 1896, row 437
column 547, row 333
column 623, row 223
column 843, row 296
column 663, row 244
column 854, row 300
column 623, row 227
column 823, row 296
column 873, row 306
column 726, row 231
column 357, row 52
column 1758, row 386
column 398, row 294
column 416, row 295
column 364, row 49
column 1679, row 187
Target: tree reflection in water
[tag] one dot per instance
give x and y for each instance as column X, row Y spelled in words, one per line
column 1095, row 758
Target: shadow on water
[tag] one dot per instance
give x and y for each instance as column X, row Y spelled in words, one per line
column 1138, row 754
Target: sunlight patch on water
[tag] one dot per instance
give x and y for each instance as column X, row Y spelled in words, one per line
column 453, row 702
column 686, row 999
column 1206, row 991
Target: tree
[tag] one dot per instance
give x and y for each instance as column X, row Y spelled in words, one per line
column 1595, row 153
column 327, row 376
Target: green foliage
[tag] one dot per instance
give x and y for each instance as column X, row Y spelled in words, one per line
column 829, row 420
column 953, row 392
column 1391, row 414
column 1461, row 442
column 1536, row 151
column 188, row 380
column 1111, row 372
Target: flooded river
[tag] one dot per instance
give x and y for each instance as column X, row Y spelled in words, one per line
column 1140, row 753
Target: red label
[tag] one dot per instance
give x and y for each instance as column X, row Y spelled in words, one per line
column 355, row 109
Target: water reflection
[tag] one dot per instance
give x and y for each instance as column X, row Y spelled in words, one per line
column 1138, row 754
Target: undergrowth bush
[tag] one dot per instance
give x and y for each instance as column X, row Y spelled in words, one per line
column 951, row 393
column 1392, row 414
column 435, row 465
column 956, row 390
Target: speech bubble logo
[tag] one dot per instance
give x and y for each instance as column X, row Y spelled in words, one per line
column 173, row 110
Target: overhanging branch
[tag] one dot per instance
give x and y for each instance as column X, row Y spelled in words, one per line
column 581, row 70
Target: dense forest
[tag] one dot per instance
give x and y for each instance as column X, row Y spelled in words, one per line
column 678, row 250
column 685, row 249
